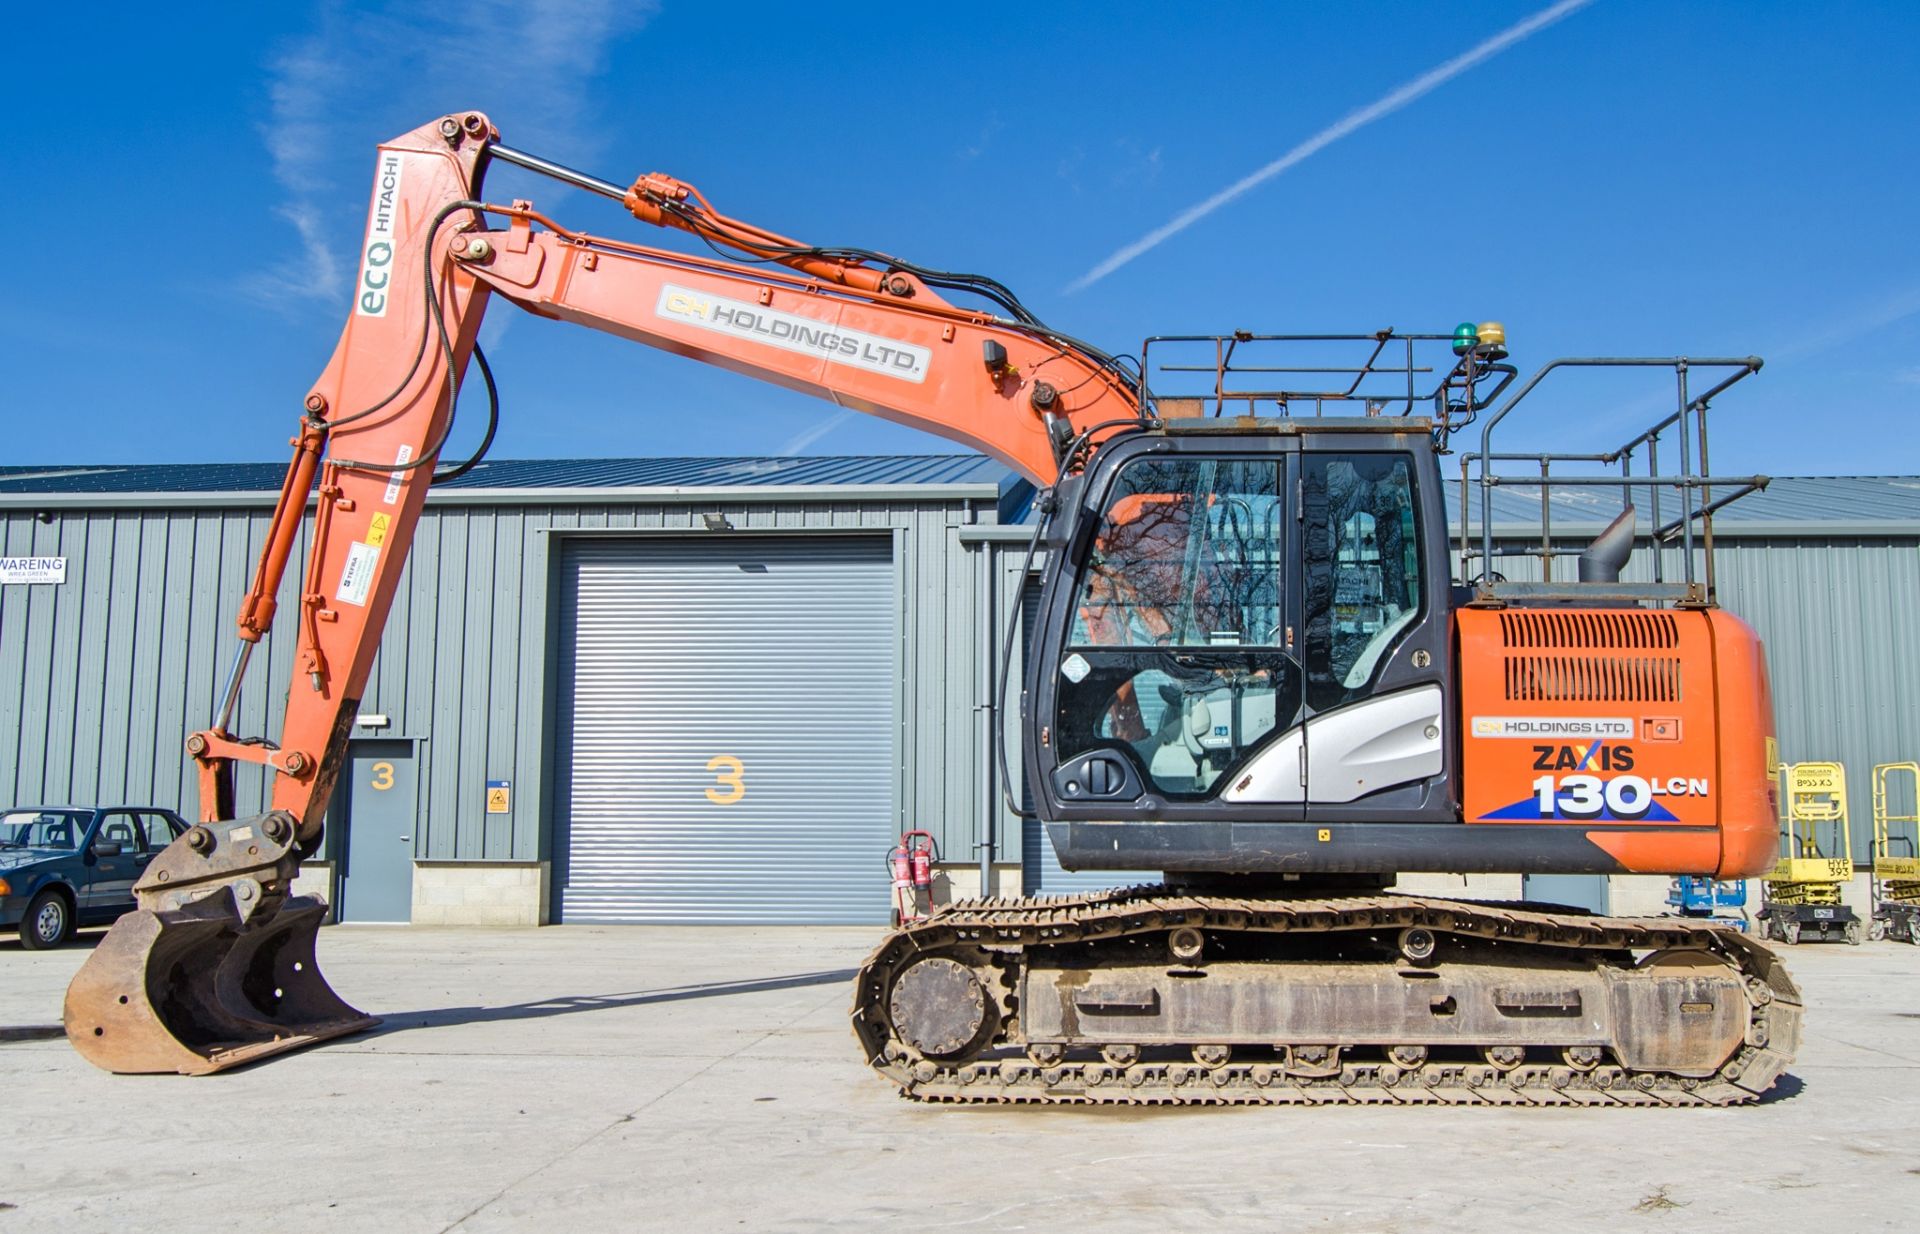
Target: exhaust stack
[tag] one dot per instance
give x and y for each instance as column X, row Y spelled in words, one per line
column 1607, row 555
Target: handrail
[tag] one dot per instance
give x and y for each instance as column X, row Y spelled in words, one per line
column 1469, row 373
column 1689, row 415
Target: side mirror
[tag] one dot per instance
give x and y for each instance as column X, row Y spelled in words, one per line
column 107, row 848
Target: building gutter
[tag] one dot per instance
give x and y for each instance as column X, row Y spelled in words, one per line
column 586, row 496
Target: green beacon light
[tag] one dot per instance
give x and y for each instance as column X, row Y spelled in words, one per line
column 1465, row 338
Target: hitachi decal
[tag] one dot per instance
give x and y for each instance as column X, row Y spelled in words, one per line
column 376, row 256
column 790, row 332
column 1552, row 728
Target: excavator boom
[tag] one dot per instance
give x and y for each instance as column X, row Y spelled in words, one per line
column 216, row 965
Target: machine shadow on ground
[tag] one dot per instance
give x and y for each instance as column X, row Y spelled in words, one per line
column 441, row 1017
column 85, row 940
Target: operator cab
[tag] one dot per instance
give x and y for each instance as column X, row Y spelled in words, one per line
column 1245, row 651
column 1251, row 615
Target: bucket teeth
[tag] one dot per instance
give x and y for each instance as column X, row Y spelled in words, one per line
column 205, row 987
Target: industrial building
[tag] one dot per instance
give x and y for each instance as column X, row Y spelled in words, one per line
column 715, row 690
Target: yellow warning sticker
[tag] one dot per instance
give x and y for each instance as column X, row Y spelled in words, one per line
column 499, row 796
column 377, row 533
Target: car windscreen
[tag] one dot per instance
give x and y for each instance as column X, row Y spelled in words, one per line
column 43, row 828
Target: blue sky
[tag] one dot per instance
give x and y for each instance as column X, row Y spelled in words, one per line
column 187, row 187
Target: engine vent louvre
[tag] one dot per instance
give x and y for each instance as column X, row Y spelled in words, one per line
column 1627, row 629
column 1594, row 679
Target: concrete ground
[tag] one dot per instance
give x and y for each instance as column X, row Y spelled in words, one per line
column 704, row 1079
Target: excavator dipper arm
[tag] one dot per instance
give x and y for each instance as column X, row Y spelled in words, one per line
column 215, row 967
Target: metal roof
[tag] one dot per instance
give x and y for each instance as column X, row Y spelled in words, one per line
column 1831, row 505
column 749, row 472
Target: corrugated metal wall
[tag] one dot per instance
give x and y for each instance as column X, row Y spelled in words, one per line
column 102, row 678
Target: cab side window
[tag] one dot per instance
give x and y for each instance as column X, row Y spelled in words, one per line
column 1362, row 569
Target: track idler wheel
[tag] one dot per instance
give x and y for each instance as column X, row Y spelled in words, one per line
column 938, row 1007
column 216, row 967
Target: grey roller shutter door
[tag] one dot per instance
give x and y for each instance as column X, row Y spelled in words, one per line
column 1040, row 872
column 678, row 657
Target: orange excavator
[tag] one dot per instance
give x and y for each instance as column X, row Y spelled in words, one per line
column 1253, row 674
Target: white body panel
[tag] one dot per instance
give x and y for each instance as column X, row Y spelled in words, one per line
column 1386, row 741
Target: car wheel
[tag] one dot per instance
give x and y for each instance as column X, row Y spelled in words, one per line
column 48, row 923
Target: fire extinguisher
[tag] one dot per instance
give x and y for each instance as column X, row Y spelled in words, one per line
column 911, row 864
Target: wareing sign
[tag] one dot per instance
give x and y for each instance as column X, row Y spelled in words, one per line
column 32, row 570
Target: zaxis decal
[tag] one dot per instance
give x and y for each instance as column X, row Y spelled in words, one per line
column 1599, row 756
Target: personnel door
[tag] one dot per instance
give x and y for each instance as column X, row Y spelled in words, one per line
column 376, row 868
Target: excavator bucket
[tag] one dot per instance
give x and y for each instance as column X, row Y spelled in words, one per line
column 198, row 985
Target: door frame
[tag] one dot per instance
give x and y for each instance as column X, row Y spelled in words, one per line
column 336, row 850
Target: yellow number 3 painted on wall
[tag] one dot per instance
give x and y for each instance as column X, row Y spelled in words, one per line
column 731, row 772
column 383, row 776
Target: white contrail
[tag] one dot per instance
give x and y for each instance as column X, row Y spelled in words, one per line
column 1353, row 122
column 814, row 433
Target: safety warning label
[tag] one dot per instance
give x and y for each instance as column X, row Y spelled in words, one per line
column 357, row 578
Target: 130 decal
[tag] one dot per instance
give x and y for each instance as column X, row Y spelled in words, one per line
column 1620, row 797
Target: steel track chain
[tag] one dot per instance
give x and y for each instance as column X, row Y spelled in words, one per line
column 974, row 928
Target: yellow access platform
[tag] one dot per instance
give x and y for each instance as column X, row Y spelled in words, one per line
column 1816, row 860
column 1896, row 853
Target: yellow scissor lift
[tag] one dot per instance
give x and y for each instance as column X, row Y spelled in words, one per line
column 1896, row 874
column 1803, row 887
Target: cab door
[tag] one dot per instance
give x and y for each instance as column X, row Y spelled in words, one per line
column 1172, row 683
column 1374, row 639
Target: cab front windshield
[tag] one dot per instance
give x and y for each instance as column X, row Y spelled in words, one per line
column 62, row 829
column 1178, row 651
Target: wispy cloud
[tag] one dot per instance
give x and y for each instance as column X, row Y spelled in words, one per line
column 1352, row 123
column 533, row 64
column 989, row 129
column 1868, row 317
column 800, row 441
column 1848, row 326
